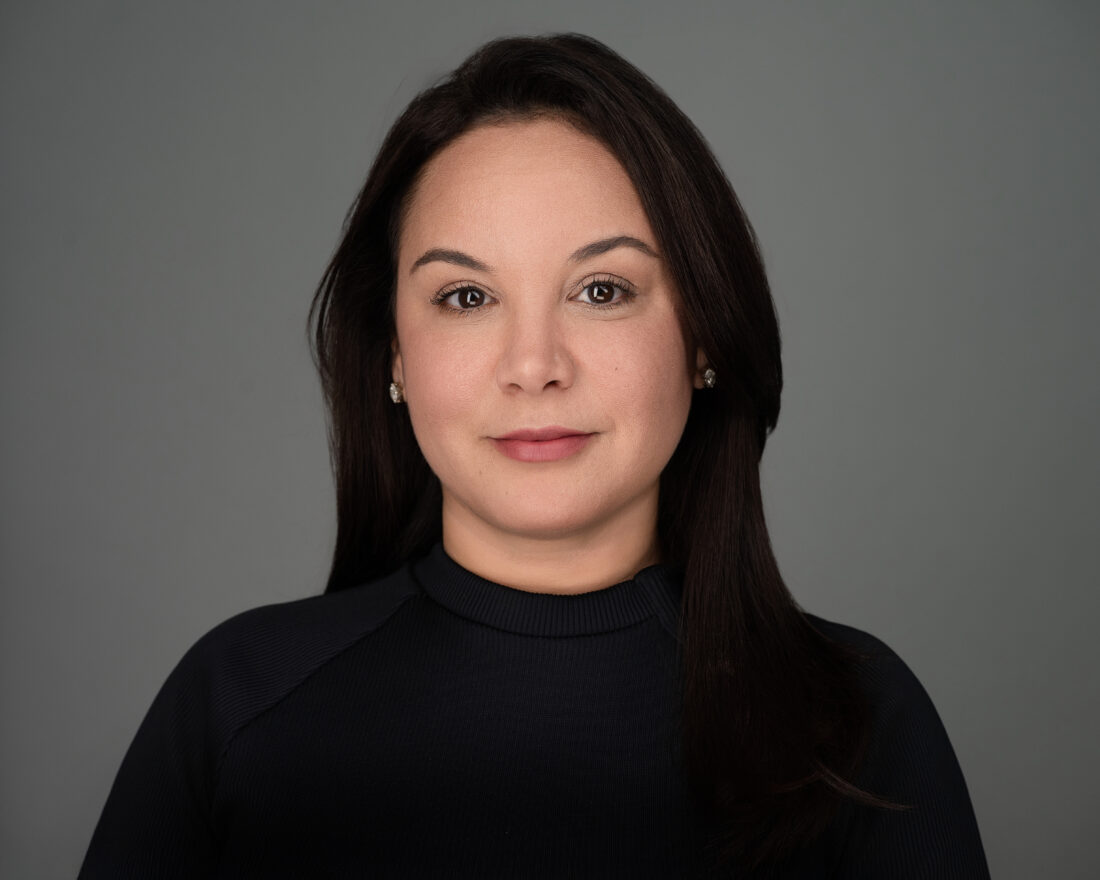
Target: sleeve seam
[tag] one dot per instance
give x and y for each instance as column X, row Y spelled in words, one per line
column 290, row 691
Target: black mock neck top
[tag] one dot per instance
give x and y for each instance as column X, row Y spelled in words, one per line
column 652, row 591
column 433, row 723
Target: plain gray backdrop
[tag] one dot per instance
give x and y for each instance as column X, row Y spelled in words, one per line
column 923, row 180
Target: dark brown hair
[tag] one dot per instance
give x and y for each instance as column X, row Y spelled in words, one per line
column 773, row 723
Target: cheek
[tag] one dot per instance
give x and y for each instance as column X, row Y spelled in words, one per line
column 443, row 384
column 647, row 381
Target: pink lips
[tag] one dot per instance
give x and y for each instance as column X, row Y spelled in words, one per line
column 542, row 444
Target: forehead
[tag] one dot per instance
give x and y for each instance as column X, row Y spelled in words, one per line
column 535, row 185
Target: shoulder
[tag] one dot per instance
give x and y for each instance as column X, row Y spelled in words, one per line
column 889, row 684
column 310, row 625
column 910, row 762
column 247, row 663
column 908, row 746
column 906, row 737
column 856, row 639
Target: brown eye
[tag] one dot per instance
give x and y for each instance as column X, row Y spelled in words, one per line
column 604, row 293
column 470, row 298
column 601, row 293
column 465, row 299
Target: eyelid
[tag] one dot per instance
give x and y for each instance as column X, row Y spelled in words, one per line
column 440, row 297
column 629, row 291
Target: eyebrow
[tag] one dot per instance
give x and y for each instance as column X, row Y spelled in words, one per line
column 594, row 249
column 445, row 255
column 609, row 244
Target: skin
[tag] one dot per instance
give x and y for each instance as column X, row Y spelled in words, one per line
column 534, row 348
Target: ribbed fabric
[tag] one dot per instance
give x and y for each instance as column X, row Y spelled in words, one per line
column 541, row 614
column 434, row 723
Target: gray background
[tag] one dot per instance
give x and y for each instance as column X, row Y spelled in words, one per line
column 922, row 177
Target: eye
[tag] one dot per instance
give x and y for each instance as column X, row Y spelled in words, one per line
column 464, row 299
column 606, row 292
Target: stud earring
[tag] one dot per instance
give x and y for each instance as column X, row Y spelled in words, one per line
column 709, row 377
column 397, row 393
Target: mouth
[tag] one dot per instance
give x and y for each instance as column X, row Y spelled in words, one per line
column 541, row 435
column 542, row 444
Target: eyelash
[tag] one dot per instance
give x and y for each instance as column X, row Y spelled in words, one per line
column 625, row 288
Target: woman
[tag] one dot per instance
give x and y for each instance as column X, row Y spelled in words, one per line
column 555, row 641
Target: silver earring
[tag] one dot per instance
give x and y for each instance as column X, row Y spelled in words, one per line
column 708, row 377
column 397, row 393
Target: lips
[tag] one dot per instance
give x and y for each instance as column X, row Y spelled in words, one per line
column 552, row 443
column 539, row 435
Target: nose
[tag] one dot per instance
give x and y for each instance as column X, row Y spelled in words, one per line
column 534, row 355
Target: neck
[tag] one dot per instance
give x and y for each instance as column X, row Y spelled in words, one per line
column 566, row 563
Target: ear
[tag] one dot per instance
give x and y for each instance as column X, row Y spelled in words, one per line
column 397, row 370
column 700, row 365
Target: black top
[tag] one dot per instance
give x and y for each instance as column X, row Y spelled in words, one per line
column 433, row 723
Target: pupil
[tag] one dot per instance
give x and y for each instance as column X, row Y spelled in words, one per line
column 469, row 298
column 601, row 293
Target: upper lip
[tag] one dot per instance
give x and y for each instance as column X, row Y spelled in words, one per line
column 554, row 432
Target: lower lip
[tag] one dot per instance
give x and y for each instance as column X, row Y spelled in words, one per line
column 543, row 450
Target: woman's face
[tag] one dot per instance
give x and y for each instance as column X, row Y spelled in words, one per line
column 531, row 297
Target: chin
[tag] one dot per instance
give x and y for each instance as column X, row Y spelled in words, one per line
column 546, row 518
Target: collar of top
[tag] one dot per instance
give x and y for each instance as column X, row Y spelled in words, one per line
column 653, row 591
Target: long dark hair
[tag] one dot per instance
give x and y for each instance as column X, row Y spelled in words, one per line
column 773, row 724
